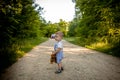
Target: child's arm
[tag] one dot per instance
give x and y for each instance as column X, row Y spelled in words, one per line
column 56, row 51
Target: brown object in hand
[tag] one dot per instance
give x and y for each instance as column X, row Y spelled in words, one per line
column 53, row 58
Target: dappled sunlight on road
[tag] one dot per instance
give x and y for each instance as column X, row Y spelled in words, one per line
column 79, row 64
column 75, row 50
column 30, row 55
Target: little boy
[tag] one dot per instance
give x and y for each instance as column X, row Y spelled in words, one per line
column 58, row 51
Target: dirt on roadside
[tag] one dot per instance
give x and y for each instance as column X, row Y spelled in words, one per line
column 79, row 64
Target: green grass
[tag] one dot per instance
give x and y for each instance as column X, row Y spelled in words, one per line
column 70, row 39
column 12, row 56
column 29, row 44
column 75, row 41
column 99, row 46
column 32, row 42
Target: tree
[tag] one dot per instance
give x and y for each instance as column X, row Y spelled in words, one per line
column 18, row 21
column 63, row 26
column 98, row 21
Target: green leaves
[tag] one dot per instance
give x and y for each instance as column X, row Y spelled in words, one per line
column 98, row 21
column 19, row 21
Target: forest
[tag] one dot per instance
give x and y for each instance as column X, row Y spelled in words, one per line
column 96, row 25
column 20, row 22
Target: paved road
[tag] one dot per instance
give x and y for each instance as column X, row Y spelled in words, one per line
column 79, row 63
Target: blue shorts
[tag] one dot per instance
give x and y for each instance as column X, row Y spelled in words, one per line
column 58, row 60
column 59, row 57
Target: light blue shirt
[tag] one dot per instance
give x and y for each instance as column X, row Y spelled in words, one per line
column 59, row 44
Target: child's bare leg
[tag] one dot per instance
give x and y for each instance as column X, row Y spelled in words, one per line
column 59, row 65
column 60, row 68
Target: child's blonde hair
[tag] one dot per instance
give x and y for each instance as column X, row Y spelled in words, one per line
column 59, row 33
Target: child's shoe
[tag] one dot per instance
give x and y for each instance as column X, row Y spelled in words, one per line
column 62, row 68
column 58, row 71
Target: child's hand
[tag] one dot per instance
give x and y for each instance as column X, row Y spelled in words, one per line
column 53, row 52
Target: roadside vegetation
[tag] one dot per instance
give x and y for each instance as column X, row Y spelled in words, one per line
column 96, row 25
column 100, row 46
column 20, row 29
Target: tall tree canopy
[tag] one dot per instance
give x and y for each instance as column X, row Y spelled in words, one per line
column 98, row 20
column 19, row 20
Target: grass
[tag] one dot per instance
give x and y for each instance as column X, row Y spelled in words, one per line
column 30, row 43
column 99, row 46
column 14, row 55
column 75, row 41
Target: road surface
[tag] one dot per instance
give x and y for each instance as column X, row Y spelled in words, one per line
column 79, row 64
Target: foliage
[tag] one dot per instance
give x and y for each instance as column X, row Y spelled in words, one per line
column 51, row 28
column 98, row 22
column 31, row 43
column 63, row 26
column 72, row 26
column 19, row 21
